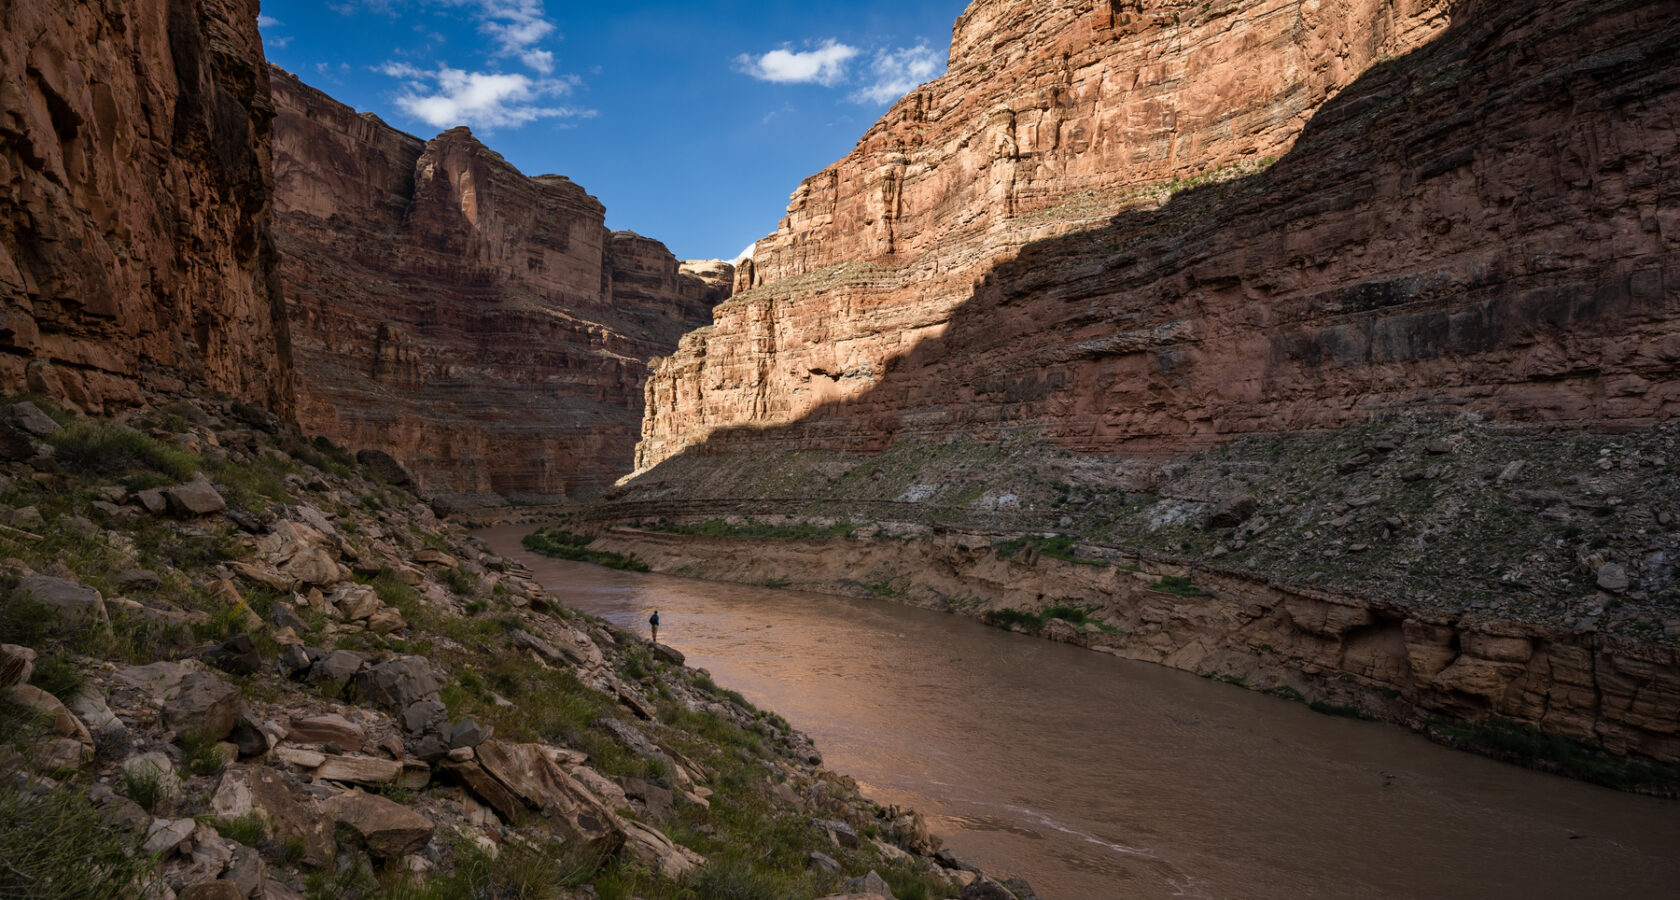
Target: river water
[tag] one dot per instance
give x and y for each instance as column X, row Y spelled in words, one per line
column 1094, row 777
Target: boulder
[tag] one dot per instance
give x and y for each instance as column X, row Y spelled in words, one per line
column 138, row 580
column 237, row 655
column 338, row 667
column 247, row 870
column 16, row 444
column 1234, row 512
column 819, row 861
column 77, row 607
column 194, row 498
column 530, row 775
column 364, row 770
column 871, row 883
column 387, row 829
column 167, row 835
column 385, row 620
column 658, row 852
column 397, row 684
column 385, row 467
column 291, row 817
column 31, row 419
column 983, row 888
column 468, row 733
column 549, row 653
column 355, row 602
column 1613, row 578
column 249, row 737
column 669, row 654
column 839, row 832
column 314, row 566
column 213, row 889
column 156, row 680
column 59, row 723
column 91, row 708
column 203, row 704
column 485, row 787
column 659, row 802
column 17, row 664
column 425, row 725
column 321, row 729
column 153, row 501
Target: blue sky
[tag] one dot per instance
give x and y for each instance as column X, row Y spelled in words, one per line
column 692, row 121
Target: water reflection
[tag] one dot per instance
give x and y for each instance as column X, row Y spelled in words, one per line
column 1095, row 777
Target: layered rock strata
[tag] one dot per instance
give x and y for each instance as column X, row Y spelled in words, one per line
column 482, row 326
column 135, row 189
column 1480, row 220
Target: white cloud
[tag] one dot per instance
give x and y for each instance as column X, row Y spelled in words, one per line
column 518, row 27
column 825, row 65
column 746, row 254
column 446, row 97
column 898, row 72
column 268, row 22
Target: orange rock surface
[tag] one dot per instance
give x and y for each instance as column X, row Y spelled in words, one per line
column 482, row 326
column 1080, row 231
column 135, row 189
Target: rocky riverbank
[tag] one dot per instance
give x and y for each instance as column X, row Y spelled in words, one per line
column 241, row 664
column 1492, row 586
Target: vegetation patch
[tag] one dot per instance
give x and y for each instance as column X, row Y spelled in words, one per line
column 59, row 846
column 1587, row 760
column 1059, row 546
column 801, row 531
column 562, row 544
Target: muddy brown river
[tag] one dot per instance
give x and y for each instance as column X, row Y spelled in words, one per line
column 1094, row 777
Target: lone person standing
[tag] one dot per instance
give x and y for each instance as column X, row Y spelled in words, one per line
column 653, row 623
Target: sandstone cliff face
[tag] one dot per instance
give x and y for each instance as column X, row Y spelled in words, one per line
column 483, row 326
column 1478, row 221
column 135, row 189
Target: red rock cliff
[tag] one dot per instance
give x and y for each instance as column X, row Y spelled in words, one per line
column 1481, row 219
column 483, row 326
column 135, row 189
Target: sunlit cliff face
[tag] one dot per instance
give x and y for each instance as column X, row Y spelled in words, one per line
column 1051, row 118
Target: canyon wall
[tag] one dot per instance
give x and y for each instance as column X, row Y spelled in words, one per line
column 482, row 326
column 135, row 189
column 1081, row 232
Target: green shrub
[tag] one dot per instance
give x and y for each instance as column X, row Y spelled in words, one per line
column 802, row 531
column 1179, row 585
column 145, row 785
column 58, row 677
column 23, row 620
column 204, row 756
column 1058, row 546
column 58, row 846
column 562, row 544
column 109, row 450
column 1008, row 618
column 249, row 829
column 1583, row 759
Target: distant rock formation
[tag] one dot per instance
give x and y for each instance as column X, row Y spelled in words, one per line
column 135, row 188
column 1149, row 226
column 482, row 326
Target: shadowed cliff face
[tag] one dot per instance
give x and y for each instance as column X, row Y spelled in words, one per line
column 483, row 326
column 1483, row 223
column 135, row 189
